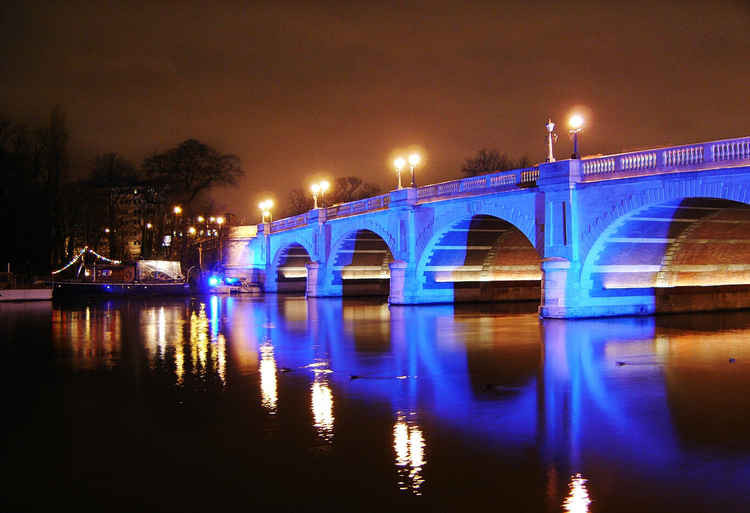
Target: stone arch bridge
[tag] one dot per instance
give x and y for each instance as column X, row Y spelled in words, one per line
column 660, row 230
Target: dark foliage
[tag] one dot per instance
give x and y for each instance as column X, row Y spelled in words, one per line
column 491, row 161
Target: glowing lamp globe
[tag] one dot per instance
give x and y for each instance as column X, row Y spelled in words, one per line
column 575, row 122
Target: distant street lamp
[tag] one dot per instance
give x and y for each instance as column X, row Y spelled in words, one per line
column 177, row 210
column 220, row 222
column 149, row 225
column 576, row 126
column 414, row 159
column 201, row 219
column 399, row 164
column 191, row 230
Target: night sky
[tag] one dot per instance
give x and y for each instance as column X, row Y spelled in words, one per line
column 303, row 90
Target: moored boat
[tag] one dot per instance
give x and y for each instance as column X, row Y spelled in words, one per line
column 90, row 274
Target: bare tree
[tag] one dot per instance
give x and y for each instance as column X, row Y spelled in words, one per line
column 352, row 188
column 491, row 161
column 298, row 201
column 193, row 167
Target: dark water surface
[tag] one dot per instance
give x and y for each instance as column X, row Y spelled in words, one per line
column 327, row 405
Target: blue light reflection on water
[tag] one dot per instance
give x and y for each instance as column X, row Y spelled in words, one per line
column 503, row 380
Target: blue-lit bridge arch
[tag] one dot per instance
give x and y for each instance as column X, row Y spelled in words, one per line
column 290, row 264
column 359, row 262
column 480, row 258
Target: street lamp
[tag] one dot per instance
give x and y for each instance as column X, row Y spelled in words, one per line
column 414, row 159
column 220, row 222
column 265, row 208
column 315, row 188
column 324, row 186
column 399, row 164
column 201, row 219
column 177, row 210
column 191, row 230
column 576, row 126
column 319, row 188
column 551, row 139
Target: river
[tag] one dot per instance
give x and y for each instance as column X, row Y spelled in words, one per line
column 283, row 403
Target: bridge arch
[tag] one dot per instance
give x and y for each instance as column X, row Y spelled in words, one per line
column 480, row 257
column 359, row 260
column 602, row 215
column 675, row 254
column 290, row 267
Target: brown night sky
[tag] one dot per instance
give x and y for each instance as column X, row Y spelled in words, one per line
column 302, row 90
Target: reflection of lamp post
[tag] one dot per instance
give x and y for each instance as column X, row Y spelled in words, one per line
column 399, row 164
column 576, row 126
column 413, row 161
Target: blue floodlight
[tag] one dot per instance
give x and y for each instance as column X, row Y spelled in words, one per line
column 213, row 281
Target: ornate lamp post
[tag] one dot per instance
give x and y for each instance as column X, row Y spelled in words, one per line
column 399, row 164
column 315, row 191
column 265, row 208
column 576, row 126
column 324, row 186
column 414, row 159
column 319, row 188
column 551, row 139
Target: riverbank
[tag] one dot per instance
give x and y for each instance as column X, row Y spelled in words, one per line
column 7, row 295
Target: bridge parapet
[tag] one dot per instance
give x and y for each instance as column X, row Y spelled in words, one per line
column 358, row 207
column 503, row 180
column 666, row 160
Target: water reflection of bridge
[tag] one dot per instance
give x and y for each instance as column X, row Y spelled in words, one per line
column 589, row 393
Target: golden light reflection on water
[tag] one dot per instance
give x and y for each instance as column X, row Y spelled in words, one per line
column 322, row 405
column 578, row 499
column 92, row 338
column 409, row 445
column 199, row 340
column 268, row 385
column 204, row 353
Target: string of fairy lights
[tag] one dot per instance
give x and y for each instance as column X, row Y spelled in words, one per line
column 80, row 254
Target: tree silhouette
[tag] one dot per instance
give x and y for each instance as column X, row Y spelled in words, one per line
column 491, row 161
column 192, row 168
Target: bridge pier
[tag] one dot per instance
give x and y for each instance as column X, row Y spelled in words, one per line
column 313, row 279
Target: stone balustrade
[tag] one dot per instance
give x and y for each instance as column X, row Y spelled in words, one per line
column 664, row 160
